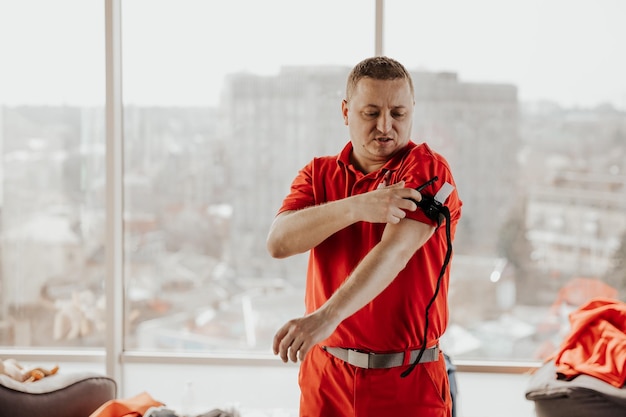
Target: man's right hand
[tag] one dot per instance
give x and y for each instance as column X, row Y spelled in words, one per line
column 387, row 204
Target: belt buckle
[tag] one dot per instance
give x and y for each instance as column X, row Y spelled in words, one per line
column 359, row 359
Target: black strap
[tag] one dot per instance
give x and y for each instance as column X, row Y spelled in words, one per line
column 446, row 213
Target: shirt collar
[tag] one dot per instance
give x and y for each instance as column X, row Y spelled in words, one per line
column 392, row 165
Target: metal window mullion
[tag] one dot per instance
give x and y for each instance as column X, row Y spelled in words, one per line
column 114, row 343
column 378, row 29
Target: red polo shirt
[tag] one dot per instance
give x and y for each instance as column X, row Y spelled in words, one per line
column 394, row 320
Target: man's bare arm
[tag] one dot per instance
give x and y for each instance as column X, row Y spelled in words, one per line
column 375, row 272
column 294, row 232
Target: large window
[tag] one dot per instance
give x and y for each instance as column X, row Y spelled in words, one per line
column 224, row 101
column 52, row 173
column 529, row 109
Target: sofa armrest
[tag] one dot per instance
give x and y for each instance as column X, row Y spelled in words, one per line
column 75, row 394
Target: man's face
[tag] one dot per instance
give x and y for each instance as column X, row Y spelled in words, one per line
column 379, row 117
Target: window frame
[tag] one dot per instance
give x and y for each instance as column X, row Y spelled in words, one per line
column 114, row 356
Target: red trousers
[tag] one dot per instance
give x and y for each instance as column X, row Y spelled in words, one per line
column 331, row 387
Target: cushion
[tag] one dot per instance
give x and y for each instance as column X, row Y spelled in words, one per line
column 582, row 396
column 75, row 394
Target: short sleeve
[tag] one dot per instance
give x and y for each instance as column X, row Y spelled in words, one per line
column 301, row 193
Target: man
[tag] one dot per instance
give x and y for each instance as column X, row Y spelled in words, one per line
column 375, row 260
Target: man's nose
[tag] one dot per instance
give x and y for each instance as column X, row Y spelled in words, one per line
column 384, row 123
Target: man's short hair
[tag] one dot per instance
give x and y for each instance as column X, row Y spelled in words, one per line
column 378, row 68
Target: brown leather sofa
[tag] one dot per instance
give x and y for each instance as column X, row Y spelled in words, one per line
column 76, row 394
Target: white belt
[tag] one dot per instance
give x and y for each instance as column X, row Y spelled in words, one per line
column 381, row 360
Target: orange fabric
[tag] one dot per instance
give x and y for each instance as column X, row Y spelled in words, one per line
column 129, row 407
column 596, row 344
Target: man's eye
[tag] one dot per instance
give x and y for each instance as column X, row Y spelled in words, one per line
column 370, row 114
column 398, row 115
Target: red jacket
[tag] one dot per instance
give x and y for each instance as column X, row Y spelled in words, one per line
column 596, row 345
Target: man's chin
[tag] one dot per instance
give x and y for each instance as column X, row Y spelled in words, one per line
column 384, row 149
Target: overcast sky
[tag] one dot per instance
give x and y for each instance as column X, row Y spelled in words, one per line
column 178, row 51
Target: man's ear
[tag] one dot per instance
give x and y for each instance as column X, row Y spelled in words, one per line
column 344, row 111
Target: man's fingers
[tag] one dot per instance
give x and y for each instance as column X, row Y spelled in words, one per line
column 283, row 348
column 278, row 337
column 407, row 194
column 304, row 349
column 282, row 341
column 396, row 216
column 294, row 340
column 399, row 184
column 294, row 350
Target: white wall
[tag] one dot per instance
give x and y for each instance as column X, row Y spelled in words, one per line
column 274, row 389
column 493, row 395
